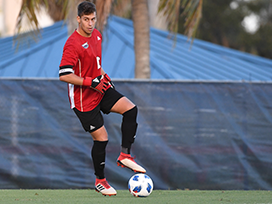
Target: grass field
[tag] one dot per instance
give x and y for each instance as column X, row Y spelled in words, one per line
column 123, row 196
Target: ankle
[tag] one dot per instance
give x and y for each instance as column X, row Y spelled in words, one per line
column 97, row 180
column 124, row 154
column 125, row 150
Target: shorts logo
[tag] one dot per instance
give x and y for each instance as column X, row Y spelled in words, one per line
column 85, row 45
column 92, row 127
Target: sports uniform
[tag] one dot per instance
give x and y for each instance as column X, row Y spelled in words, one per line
column 82, row 56
column 91, row 91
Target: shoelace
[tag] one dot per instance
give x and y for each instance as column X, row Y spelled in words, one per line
column 105, row 184
column 132, row 158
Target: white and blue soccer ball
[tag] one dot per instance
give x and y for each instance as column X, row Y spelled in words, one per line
column 140, row 185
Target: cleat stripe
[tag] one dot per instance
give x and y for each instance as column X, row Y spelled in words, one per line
column 100, row 187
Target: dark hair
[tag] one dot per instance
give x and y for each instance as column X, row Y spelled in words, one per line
column 85, row 8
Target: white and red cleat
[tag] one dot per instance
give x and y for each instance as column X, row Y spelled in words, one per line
column 125, row 160
column 103, row 187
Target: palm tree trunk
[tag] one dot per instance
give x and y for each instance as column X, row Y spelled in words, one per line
column 141, row 38
column 72, row 14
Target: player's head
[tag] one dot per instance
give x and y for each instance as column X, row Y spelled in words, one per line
column 86, row 18
column 85, row 8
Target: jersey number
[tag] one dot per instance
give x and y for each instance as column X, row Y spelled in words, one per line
column 98, row 62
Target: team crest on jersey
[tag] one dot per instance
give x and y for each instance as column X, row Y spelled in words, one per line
column 85, row 45
column 98, row 38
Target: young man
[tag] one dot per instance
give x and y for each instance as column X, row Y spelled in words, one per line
column 90, row 91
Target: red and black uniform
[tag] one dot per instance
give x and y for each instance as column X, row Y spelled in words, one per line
column 82, row 56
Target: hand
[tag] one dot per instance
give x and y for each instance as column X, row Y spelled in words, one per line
column 109, row 80
column 99, row 83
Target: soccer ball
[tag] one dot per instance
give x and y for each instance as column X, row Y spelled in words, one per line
column 140, row 185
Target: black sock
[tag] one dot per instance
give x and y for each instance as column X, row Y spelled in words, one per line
column 99, row 157
column 129, row 128
column 125, row 150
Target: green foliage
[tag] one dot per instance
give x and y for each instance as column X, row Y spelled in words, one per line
column 263, row 41
column 189, row 9
column 222, row 24
column 29, row 10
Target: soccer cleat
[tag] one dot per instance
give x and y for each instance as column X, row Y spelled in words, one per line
column 103, row 187
column 125, row 160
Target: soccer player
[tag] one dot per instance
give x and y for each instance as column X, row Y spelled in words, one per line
column 91, row 91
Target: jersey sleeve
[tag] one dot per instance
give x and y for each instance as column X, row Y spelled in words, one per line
column 69, row 59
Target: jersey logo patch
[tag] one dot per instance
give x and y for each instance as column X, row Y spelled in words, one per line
column 85, row 45
column 98, row 38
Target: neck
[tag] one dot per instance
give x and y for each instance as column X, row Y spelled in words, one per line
column 82, row 33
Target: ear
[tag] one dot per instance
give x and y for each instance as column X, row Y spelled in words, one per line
column 78, row 19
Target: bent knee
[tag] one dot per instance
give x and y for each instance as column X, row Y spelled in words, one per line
column 131, row 114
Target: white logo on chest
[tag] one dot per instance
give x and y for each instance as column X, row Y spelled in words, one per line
column 85, row 45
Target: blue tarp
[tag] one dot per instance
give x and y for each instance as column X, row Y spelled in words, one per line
column 191, row 135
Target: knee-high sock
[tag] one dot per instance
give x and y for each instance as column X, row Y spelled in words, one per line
column 129, row 128
column 99, row 157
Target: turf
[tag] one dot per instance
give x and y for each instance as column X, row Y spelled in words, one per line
column 123, row 196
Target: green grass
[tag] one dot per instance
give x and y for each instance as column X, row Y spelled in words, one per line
column 124, row 197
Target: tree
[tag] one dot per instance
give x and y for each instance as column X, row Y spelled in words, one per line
column 171, row 8
column 224, row 25
column 261, row 41
column 29, row 9
column 191, row 10
column 141, row 38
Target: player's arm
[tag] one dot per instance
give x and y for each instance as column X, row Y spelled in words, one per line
column 107, row 78
column 72, row 79
column 102, row 71
column 66, row 74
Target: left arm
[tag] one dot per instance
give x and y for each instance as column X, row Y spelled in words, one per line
column 107, row 78
column 102, row 71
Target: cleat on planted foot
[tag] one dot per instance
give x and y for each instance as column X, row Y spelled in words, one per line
column 103, row 187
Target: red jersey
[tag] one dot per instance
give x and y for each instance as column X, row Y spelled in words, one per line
column 82, row 56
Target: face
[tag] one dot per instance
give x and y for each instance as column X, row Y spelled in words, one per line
column 86, row 24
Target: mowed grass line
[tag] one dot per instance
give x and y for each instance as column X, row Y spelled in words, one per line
column 123, row 196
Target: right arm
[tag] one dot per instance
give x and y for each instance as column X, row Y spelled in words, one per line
column 72, row 79
column 69, row 59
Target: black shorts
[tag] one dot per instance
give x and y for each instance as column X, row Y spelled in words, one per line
column 93, row 120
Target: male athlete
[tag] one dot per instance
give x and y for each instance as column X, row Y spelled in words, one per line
column 90, row 91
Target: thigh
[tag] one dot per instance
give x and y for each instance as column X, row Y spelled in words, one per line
column 91, row 120
column 110, row 98
column 122, row 105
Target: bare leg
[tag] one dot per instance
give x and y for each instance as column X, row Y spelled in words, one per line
column 122, row 105
column 100, row 134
